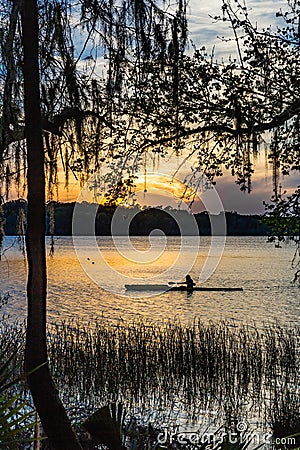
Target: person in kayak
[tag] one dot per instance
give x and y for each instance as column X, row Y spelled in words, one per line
column 189, row 282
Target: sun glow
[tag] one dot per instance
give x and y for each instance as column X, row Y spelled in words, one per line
column 168, row 191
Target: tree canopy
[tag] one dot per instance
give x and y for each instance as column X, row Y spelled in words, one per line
column 87, row 50
column 117, row 83
column 48, row 107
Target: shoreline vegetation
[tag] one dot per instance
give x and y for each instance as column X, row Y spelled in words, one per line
column 59, row 220
column 209, row 374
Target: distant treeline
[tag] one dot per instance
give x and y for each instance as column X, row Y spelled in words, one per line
column 143, row 222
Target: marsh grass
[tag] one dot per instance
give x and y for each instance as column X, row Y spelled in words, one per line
column 236, row 371
column 12, row 338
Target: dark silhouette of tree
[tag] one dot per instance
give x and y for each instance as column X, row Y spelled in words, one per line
column 51, row 411
column 40, row 67
column 82, row 102
column 224, row 112
column 153, row 97
column 282, row 216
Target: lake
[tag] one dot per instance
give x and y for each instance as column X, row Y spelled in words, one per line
column 263, row 271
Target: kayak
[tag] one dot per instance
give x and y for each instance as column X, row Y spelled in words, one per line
column 166, row 287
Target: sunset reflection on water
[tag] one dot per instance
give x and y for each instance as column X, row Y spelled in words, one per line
column 263, row 271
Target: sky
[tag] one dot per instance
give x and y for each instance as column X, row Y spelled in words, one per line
column 205, row 31
column 160, row 187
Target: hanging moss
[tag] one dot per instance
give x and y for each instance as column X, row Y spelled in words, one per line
column 21, row 229
column 148, row 93
column 51, row 215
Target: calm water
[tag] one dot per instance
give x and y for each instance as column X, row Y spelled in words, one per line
column 262, row 270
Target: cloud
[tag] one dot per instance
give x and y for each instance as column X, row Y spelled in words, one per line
column 206, row 31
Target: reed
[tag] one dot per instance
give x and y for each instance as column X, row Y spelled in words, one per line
column 237, row 371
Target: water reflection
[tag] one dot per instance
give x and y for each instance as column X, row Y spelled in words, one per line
column 263, row 271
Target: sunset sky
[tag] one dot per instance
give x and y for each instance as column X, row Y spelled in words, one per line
column 163, row 190
column 205, row 31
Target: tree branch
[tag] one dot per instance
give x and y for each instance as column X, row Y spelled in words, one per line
column 55, row 125
column 277, row 121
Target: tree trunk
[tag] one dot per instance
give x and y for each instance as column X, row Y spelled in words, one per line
column 49, row 407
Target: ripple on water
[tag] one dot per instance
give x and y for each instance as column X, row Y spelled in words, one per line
column 263, row 271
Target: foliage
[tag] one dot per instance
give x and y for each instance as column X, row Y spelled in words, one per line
column 226, row 112
column 283, row 218
column 17, row 417
column 81, row 86
column 17, row 422
column 145, row 220
column 131, row 93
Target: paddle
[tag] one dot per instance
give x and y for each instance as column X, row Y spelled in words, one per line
column 178, row 282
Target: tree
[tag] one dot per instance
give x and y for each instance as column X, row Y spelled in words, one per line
column 283, row 217
column 64, row 104
column 154, row 97
column 224, row 113
column 44, row 394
